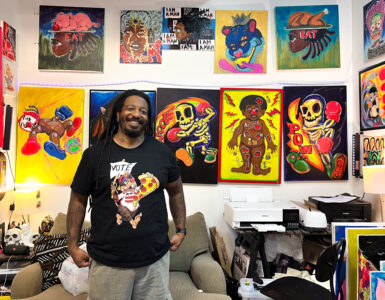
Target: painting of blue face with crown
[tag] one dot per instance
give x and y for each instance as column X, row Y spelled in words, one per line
column 240, row 42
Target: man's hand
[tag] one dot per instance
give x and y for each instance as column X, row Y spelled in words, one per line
column 80, row 257
column 176, row 241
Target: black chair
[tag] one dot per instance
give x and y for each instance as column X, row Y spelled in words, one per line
column 294, row 288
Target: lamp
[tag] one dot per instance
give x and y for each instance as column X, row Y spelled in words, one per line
column 374, row 183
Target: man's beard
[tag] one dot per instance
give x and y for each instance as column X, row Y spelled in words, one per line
column 134, row 133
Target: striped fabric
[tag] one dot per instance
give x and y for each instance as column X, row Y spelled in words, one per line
column 50, row 252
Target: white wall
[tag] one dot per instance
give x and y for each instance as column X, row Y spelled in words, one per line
column 183, row 69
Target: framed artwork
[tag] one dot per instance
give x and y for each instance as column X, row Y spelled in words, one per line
column 372, row 91
column 240, row 41
column 339, row 231
column 250, row 135
column 315, row 133
column 187, row 28
column 101, row 102
column 1, row 92
column 187, row 121
column 307, row 37
column 9, row 41
column 352, row 250
column 377, row 285
column 374, row 13
column 140, row 37
column 9, row 77
column 382, row 265
column 373, row 150
column 371, row 249
column 71, row 38
column 43, row 158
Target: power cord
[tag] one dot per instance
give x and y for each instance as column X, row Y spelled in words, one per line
column 3, row 288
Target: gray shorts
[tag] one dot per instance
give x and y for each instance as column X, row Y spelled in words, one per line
column 110, row 283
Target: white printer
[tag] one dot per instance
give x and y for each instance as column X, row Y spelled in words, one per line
column 255, row 208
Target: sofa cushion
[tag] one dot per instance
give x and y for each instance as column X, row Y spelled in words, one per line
column 59, row 225
column 50, row 252
column 196, row 242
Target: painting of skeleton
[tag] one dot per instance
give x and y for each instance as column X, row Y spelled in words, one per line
column 307, row 37
column 250, row 135
column 9, row 41
column 101, row 102
column 140, row 37
column 240, row 42
column 373, row 150
column 372, row 97
column 49, row 134
column 187, row 121
column 315, row 133
column 71, row 38
column 186, row 28
column 374, row 44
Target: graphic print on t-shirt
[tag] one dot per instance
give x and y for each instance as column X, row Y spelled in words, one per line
column 126, row 193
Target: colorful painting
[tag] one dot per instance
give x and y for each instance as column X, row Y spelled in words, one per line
column 186, row 28
column 307, row 37
column 101, row 102
column 377, row 285
column 240, row 41
column 250, row 135
column 382, row 265
column 315, row 133
column 352, row 249
column 9, row 41
column 339, row 231
column 187, row 121
column 71, row 38
column 140, row 37
column 372, row 97
column 1, row 92
column 373, row 150
column 374, row 13
column 9, row 77
column 49, row 135
column 371, row 249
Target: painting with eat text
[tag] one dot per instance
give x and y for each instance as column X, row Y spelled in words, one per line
column 187, row 121
column 307, row 37
column 240, row 42
column 250, row 135
column 71, row 38
column 140, row 37
column 101, row 102
column 188, row 28
column 315, row 133
column 49, row 134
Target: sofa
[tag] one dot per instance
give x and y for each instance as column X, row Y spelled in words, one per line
column 194, row 274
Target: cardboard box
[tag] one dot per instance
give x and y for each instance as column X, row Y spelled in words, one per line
column 220, row 250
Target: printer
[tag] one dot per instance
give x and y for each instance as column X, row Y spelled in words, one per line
column 255, row 208
column 343, row 208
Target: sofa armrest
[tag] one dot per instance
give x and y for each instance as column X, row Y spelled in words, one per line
column 207, row 274
column 28, row 282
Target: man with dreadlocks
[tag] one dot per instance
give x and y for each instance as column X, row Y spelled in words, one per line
column 125, row 175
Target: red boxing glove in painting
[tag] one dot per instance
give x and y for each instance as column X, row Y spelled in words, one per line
column 333, row 111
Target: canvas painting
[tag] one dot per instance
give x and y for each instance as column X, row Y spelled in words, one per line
column 140, row 37
column 315, row 133
column 250, row 135
column 371, row 249
column 9, row 77
column 372, row 91
column 352, row 253
column 339, row 231
column 187, row 28
column 307, row 37
column 382, row 265
column 49, row 134
column 187, row 121
column 71, row 38
column 373, row 150
column 1, row 92
column 101, row 102
column 377, row 285
column 240, row 42
column 9, row 41
column 374, row 13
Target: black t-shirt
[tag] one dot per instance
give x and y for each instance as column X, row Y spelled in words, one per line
column 129, row 212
